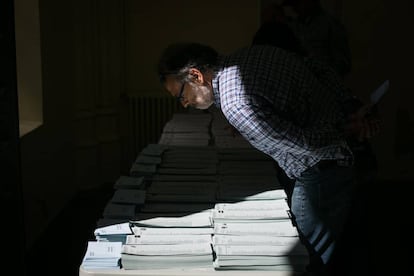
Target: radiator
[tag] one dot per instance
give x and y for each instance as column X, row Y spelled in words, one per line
column 147, row 116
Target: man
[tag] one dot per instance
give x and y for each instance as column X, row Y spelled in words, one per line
column 289, row 107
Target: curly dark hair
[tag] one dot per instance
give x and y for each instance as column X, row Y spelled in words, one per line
column 178, row 58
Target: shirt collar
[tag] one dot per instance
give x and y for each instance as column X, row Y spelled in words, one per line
column 215, row 83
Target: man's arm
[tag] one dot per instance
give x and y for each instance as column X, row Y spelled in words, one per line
column 262, row 128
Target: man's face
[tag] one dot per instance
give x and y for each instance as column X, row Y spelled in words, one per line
column 194, row 94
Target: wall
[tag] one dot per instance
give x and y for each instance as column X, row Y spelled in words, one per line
column 151, row 25
column 98, row 49
column 47, row 152
column 79, row 145
column 28, row 60
column 381, row 47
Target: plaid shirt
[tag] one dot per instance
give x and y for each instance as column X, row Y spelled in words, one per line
column 289, row 107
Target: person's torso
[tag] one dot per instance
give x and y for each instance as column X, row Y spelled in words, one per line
column 264, row 75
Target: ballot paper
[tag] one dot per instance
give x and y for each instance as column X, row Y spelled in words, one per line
column 379, row 92
column 202, row 219
column 129, row 182
column 102, row 255
column 115, row 232
column 168, row 239
column 146, row 256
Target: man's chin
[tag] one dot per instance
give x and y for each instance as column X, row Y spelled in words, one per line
column 203, row 106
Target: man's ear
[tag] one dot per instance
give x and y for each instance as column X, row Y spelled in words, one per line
column 196, row 75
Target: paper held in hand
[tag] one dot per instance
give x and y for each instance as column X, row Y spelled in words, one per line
column 379, row 92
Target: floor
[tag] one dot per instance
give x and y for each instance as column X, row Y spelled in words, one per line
column 376, row 245
column 378, row 236
column 61, row 248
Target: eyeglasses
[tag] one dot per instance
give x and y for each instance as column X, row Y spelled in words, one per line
column 180, row 96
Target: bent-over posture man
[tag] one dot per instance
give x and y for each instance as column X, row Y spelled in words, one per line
column 288, row 106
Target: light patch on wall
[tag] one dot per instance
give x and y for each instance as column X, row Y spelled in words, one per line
column 28, row 62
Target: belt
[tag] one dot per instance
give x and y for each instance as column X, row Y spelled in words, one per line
column 324, row 164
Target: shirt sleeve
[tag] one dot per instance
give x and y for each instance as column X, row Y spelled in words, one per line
column 330, row 79
column 268, row 132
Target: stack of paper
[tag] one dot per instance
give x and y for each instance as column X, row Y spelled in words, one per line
column 119, row 211
column 201, row 219
column 249, row 189
column 144, row 170
column 246, row 192
column 169, row 242
column 151, row 256
column 251, row 211
column 116, row 232
column 283, row 256
column 176, row 207
column 187, row 129
column 185, row 139
column 129, row 196
column 184, row 177
column 176, row 191
column 102, row 222
column 257, row 235
column 148, row 159
column 249, row 176
column 102, row 255
column 189, row 203
column 146, row 163
column 155, row 150
column 253, row 229
column 124, row 204
column 175, row 155
column 129, row 182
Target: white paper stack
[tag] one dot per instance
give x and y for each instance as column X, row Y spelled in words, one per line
column 286, row 257
column 266, row 245
column 147, row 159
column 187, row 129
column 185, row 175
column 102, row 255
column 179, row 192
column 201, row 219
column 184, row 178
column 129, row 182
column 129, row 196
column 251, row 211
column 169, row 242
column 153, row 150
column 144, row 170
column 160, row 256
column 176, row 207
column 119, row 211
column 116, row 232
column 256, row 235
column 243, row 188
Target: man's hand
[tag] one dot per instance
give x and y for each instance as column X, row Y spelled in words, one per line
column 363, row 124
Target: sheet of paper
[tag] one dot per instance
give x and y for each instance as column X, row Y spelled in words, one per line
column 379, row 92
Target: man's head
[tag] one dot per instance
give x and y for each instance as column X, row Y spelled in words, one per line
column 186, row 71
